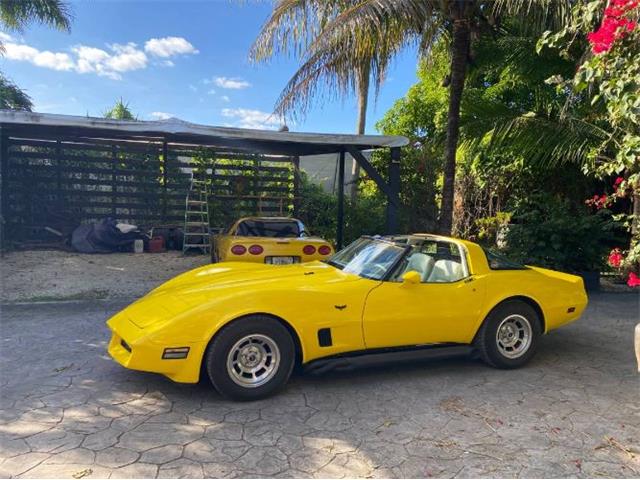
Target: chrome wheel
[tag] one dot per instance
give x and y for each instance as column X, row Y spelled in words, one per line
column 513, row 336
column 253, row 361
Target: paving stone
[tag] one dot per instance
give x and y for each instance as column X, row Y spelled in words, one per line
column 151, row 435
column 263, row 461
column 135, row 470
column 181, row 468
column 54, row 441
column 164, row 454
column 102, row 439
column 69, row 470
column 19, row 464
column 114, row 457
column 572, row 412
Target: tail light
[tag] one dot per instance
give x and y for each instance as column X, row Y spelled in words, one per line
column 324, row 250
column 255, row 249
column 309, row 250
column 238, row 250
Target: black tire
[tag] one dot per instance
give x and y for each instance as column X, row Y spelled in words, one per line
column 261, row 329
column 513, row 316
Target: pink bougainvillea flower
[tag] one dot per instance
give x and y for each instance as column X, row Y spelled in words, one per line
column 614, row 25
column 615, row 258
column 616, row 184
column 634, row 280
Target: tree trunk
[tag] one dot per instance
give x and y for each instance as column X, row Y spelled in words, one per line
column 363, row 97
column 459, row 54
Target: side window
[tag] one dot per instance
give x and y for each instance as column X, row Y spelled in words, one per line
column 435, row 261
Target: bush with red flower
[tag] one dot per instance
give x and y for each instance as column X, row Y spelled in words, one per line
column 610, row 77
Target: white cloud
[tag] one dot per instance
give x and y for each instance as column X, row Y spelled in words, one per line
column 231, row 83
column 247, row 118
column 161, row 115
column 128, row 57
column 193, row 88
column 109, row 62
column 225, row 98
column 169, row 46
column 45, row 59
column 211, row 92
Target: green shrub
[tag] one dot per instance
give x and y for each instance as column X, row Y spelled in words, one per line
column 319, row 212
column 548, row 232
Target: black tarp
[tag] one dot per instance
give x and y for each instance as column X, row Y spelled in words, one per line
column 103, row 237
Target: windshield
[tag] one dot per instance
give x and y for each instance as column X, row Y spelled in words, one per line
column 269, row 228
column 368, row 258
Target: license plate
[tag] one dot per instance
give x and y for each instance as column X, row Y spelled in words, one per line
column 281, row 260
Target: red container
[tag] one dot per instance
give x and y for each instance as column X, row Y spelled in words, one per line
column 156, row 245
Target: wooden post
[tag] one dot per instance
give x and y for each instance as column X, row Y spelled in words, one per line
column 165, row 168
column 3, row 188
column 393, row 202
column 340, row 226
column 296, row 185
column 114, row 167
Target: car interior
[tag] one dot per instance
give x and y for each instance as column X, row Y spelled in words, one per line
column 435, row 261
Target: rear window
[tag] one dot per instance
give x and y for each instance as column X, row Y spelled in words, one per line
column 499, row 262
column 278, row 229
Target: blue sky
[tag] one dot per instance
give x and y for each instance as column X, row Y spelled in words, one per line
column 187, row 59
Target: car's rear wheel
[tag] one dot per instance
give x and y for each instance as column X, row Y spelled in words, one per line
column 509, row 335
column 250, row 358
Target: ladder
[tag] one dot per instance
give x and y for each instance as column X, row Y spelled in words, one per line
column 196, row 216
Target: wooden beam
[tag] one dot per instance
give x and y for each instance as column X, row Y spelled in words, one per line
column 340, row 222
column 3, row 189
column 394, row 187
column 374, row 175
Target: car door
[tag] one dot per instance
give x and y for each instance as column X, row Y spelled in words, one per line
column 443, row 307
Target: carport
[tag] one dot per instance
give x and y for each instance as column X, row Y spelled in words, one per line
column 136, row 170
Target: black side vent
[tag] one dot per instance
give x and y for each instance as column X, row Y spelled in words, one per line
column 324, row 337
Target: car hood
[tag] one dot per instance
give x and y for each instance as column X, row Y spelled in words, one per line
column 211, row 282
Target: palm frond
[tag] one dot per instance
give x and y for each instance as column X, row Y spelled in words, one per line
column 12, row 97
column 16, row 14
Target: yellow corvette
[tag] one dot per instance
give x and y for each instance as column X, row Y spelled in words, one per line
column 273, row 240
column 246, row 325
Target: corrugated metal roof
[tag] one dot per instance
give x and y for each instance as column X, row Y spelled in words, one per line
column 177, row 130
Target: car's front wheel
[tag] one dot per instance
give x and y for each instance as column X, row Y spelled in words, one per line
column 509, row 335
column 251, row 358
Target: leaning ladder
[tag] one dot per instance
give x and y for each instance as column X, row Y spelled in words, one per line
column 196, row 216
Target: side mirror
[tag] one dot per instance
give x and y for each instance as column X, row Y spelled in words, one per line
column 411, row 278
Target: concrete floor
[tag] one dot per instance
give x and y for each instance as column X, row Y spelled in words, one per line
column 68, row 410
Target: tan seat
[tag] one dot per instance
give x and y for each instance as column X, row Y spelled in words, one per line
column 445, row 271
column 421, row 263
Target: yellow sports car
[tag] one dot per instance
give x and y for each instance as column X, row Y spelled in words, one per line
column 246, row 325
column 273, row 240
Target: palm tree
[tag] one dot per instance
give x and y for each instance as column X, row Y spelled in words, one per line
column 119, row 111
column 16, row 15
column 11, row 97
column 377, row 30
column 291, row 29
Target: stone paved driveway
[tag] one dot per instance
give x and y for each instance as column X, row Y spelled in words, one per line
column 68, row 410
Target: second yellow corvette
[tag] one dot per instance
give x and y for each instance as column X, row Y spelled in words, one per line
column 247, row 325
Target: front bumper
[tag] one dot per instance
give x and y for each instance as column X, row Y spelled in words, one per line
column 132, row 348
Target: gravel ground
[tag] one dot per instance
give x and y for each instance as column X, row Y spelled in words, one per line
column 43, row 275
